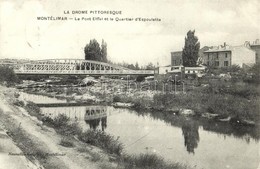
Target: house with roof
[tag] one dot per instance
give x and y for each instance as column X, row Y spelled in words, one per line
column 176, row 57
column 225, row 56
column 255, row 45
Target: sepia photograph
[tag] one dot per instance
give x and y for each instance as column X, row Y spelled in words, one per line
column 130, row 84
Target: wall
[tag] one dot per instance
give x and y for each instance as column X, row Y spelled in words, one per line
column 241, row 54
column 176, row 58
column 256, row 48
column 210, row 58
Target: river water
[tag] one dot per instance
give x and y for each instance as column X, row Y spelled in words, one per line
column 194, row 142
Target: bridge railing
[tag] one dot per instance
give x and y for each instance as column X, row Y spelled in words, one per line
column 123, row 72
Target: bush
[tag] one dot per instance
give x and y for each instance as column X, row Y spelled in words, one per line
column 149, row 161
column 32, row 108
column 19, row 103
column 116, row 99
column 102, row 140
column 60, row 121
column 8, row 76
column 66, row 142
column 140, row 78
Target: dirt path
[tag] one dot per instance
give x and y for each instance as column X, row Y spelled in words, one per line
column 42, row 144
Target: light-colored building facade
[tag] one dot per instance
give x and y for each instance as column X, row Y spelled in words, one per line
column 256, row 47
column 225, row 56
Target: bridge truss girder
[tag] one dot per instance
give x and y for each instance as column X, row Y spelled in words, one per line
column 76, row 67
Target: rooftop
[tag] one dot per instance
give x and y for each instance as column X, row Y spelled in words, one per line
column 220, row 48
column 255, row 43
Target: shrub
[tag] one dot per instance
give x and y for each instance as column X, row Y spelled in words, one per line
column 8, row 75
column 32, row 108
column 19, row 103
column 60, row 121
column 66, row 142
column 102, row 140
column 149, row 161
column 116, row 99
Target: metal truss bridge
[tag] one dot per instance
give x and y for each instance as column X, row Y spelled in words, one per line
column 74, row 67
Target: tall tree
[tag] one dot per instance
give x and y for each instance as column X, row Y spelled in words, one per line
column 191, row 48
column 137, row 66
column 150, row 66
column 104, row 51
column 94, row 52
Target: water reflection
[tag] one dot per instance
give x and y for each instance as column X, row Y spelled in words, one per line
column 190, row 132
column 240, row 132
column 165, row 133
column 94, row 115
column 95, row 123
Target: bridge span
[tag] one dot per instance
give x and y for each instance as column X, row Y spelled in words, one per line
column 74, row 67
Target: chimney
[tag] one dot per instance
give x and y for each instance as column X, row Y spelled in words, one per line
column 224, row 44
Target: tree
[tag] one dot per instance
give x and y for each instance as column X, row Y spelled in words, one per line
column 8, row 76
column 137, row 66
column 94, row 52
column 104, row 51
column 150, row 66
column 190, row 51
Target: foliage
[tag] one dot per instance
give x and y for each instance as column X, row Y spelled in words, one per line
column 255, row 71
column 93, row 51
column 8, row 75
column 116, row 99
column 234, row 69
column 190, row 51
column 149, row 161
column 102, row 140
column 32, row 108
column 140, row 78
column 150, row 66
column 104, row 51
column 71, row 79
column 19, row 103
column 65, row 142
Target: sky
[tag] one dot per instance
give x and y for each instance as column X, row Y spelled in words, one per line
column 22, row 36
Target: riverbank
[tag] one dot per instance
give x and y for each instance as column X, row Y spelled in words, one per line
column 39, row 143
column 71, row 148
column 222, row 101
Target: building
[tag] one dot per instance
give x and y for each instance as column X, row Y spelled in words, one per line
column 163, row 70
column 256, row 47
column 176, row 58
column 166, row 72
column 195, row 70
column 225, row 56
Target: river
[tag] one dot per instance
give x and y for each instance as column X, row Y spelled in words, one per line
column 194, row 142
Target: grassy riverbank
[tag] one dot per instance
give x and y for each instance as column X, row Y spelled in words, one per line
column 239, row 101
column 106, row 142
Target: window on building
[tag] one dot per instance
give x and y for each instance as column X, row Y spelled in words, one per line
column 217, row 56
column 216, row 63
column 225, row 63
column 225, row 55
column 208, row 56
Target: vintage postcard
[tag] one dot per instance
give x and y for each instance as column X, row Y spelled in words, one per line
column 133, row 84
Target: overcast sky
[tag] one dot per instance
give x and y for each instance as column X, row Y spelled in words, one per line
column 215, row 22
